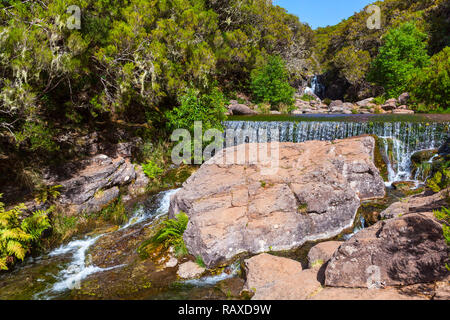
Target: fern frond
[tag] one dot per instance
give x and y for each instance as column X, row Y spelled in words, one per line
column 3, row 264
column 16, row 249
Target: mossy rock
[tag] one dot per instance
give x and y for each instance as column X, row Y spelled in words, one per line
column 422, row 156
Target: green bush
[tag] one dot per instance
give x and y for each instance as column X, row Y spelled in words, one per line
column 379, row 100
column 151, row 169
column 327, row 101
column 171, row 234
column 17, row 236
column 209, row 108
column 432, row 85
column 400, row 59
column 269, row 83
column 307, row 97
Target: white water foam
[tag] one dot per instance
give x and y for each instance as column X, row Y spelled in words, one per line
column 212, row 280
column 78, row 269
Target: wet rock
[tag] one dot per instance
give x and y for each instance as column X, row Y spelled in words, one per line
column 190, row 270
column 313, row 194
column 139, row 185
column 416, row 204
column 402, row 251
column 322, row 252
column 276, row 278
column 422, row 156
column 445, row 148
column 404, row 185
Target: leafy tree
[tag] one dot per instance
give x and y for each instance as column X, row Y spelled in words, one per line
column 270, row 83
column 353, row 64
column 400, row 59
column 432, row 84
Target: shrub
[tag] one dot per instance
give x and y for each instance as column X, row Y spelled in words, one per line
column 440, row 179
column 18, row 236
column 379, row 100
column 264, row 108
column 269, row 83
column 307, row 97
column 400, row 59
column 151, row 169
column 171, row 234
column 327, row 101
column 209, row 108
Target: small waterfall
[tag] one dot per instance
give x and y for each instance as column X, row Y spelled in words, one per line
column 399, row 139
column 79, row 267
column 316, row 87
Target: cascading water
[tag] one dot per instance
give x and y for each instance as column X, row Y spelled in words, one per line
column 316, row 87
column 400, row 139
column 78, row 268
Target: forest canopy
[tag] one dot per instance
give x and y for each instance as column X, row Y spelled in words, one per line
column 130, row 60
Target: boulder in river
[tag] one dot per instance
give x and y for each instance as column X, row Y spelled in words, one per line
column 313, row 194
column 407, row 250
column 275, row 278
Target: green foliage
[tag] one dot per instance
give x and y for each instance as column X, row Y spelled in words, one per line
column 200, row 262
column 327, row 101
column 444, row 215
column 115, row 213
column 353, row 64
column 209, row 108
column 270, row 83
column 400, row 59
column 17, row 236
column 440, row 180
column 380, row 100
column 151, row 169
column 307, row 97
column 171, row 234
column 47, row 193
column 432, row 85
column 132, row 60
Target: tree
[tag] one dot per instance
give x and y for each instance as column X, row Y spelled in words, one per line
column 432, row 85
column 400, row 59
column 270, row 83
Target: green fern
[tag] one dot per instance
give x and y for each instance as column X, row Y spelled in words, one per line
column 18, row 236
column 47, row 193
column 171, row 234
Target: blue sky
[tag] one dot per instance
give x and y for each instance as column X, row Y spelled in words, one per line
column 320, row 13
